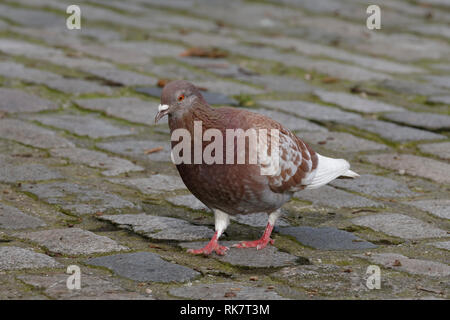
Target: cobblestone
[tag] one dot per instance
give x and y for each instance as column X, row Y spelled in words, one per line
column 414, row 165
column 76, row 198
column 13, row 218
column 325, row 238
column 83, row 125
column 399, row 225
column 414, row 266
column 160, row 228
column 72, row 241
column 15, row 258
column 13, row 101
column 221, row 291
column 144, row 266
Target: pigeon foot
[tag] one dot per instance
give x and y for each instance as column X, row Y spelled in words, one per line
column 259, row 244
column 207, row 250
column 213, row 245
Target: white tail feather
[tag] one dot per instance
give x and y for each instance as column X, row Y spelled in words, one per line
column 329, row 169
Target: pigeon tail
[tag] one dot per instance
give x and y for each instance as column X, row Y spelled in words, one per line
column 329, row 169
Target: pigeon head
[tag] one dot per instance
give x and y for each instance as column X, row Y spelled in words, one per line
column 177, row 98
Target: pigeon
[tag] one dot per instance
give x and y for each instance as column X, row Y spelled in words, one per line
column 233, row 187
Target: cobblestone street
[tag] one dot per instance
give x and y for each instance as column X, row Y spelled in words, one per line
column 86, row 177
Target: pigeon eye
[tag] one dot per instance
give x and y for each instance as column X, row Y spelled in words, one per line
column 181, row 97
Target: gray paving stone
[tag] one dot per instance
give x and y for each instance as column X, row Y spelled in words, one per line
column 277, row 83
column 414, row 166
column 442, row 245
column 440, row 81
column 144, row 266
column 117, row 55
column 150, row 48
column 403, row 47
column 413, row 266
column 171, row 71
column 160, row 228
column 228, row 88
column 31, row 134
column 437, row 207
column 411, row 87
column 217, row 291
column 25, row 172
column 326, row 238
column 258, row 220
column 393, row 131
column 439, row 99
column 77, row 86
column 269, row 257
column 431, row 121
column 248, row 15
column 400, row 225
column 15, row 258
column 92, row 287
column 341, row 141
column 51, row 55
column 432, row 30
column 220, row 67
column 114, row 166
column 188, row 200
column 136, row 149
column 311, row 110
column 440, row 149
column 131, row 109
column 315, row 49
column 61, row 37
column 210, row 97
column 14, row 100
column 156, row 183
column 352, row 102
column 83, row 125
column 27, row 49
column 318, row 277
column 13, row 218
column 123, row 77
column 375, row 186
column 197, row 39
column 31, row 17
column 292, row 123
column 19, row 71
column 331, row 197
column 72, row 241
column 78, row 199
column 334, row 69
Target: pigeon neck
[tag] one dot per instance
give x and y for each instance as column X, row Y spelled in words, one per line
column 199, row 112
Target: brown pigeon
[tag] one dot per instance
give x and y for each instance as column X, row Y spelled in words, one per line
column 235, row 184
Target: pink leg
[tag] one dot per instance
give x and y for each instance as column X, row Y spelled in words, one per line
column 212, row 245
column 259, row 244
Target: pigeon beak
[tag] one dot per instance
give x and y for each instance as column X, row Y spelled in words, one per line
column 163, row 109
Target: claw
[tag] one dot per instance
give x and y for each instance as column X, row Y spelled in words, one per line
column 259, row 244
column 213, row 245
column 207, row 250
